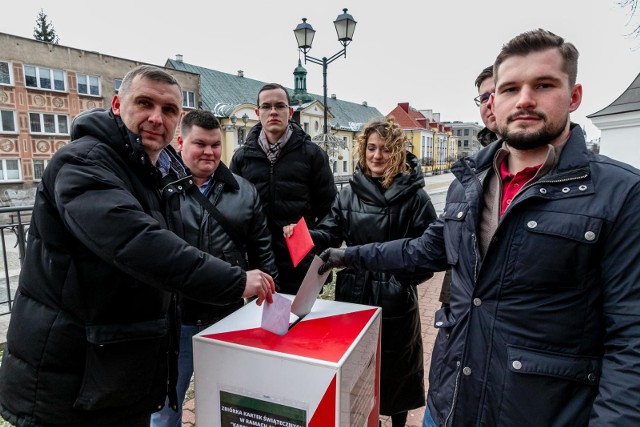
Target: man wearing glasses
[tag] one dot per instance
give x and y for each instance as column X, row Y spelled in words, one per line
column 292, row 175
column 486, row 86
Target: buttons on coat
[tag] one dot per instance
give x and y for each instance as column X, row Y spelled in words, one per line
column 543, row 191
column 459, row 215
column 466, row 370
column 590, row 235
column 566, row 189
column 582, row 187
column 532, row 224
column 439, row 323
column 477, row 302
column 591, row 377
column 517, row 365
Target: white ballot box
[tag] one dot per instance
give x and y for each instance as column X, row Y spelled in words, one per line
column 323, row 372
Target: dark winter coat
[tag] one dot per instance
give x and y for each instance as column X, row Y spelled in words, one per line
column 299, row 184
column 94, row 319
column 363, row 213
column 544, row 330
column 238, row 202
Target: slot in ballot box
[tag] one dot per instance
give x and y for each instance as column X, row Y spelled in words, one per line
column 325, row 371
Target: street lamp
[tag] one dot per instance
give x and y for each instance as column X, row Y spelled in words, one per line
column 304, row 32
column 245, row 119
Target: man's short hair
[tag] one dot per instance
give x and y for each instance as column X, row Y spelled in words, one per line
column 201, row 118
column 537, row 41
column 484, row 75
column 272, row 86
column 150, row 72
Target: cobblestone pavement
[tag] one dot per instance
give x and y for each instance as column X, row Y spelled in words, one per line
column 428, row 294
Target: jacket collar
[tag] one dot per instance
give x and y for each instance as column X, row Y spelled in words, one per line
column 224, row 175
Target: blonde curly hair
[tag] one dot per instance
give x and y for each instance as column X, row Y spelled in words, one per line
column 395, row 143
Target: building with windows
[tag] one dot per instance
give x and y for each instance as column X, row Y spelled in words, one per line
column 429, row 139
column 233, row 97
column 467, row 134
column 43, row 87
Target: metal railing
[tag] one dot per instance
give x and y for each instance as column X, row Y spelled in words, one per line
column 14, row 227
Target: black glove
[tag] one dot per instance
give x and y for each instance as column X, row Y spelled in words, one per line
column 333, row 258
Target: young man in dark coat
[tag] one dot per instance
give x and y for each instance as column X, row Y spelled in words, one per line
column 291, row 173
column 542, row 238
column 239, row 236
column 93, row 334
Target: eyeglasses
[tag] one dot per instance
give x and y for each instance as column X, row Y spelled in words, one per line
column 481, row 99
column 266, row 108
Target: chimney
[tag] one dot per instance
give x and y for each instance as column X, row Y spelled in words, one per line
column 365, row 103
column 333, row 96
column 240, row 73
column 178, row 57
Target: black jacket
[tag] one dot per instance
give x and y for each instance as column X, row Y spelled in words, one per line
column 544, row 329
column 299, row 184
column 238, row 202
column 92, row 322
column 363, row 213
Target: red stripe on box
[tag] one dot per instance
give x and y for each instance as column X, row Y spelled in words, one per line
column 326, row 338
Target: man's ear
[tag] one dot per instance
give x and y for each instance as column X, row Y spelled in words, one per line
column 576, row 97
column 180, row 143
column 115, row 105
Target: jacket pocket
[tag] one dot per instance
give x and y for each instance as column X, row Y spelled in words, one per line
column 556, row 250
column 237, row 258
column 122, row 354
column 547, row 388
column 454, row 222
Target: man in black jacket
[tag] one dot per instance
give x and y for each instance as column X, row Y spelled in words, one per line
column 291, row 173
column 93, row 334
column 225, row 219
column 542, row 238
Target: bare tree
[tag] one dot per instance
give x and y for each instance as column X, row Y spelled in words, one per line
column 44, row 30
column 633, row 8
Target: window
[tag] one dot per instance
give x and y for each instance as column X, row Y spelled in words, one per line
column 38, row 168
column 6, row 76
column 335, row 166
column 116, row 84
column 345, row 166
column 466, row 132
column 7, row 121
column 44, row 78
column 48, row 123
column 306, row 127
column 88, row 85
column 10, row 170
column 188, row 99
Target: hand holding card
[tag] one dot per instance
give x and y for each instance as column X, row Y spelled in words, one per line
column 300, row 242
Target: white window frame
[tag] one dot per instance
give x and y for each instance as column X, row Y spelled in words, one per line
column 188, row 99
column 45, row 162
column 10, row 69
column 86, row 80
column 41, row 123
column 15, row 125
column 3, row 171
column 44, row 73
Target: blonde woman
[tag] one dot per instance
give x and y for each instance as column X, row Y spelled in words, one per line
column 385, row 200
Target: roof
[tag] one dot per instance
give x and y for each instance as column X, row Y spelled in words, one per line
column 627, row 102
column 221, row 92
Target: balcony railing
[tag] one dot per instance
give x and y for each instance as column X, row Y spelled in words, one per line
column 14, row 227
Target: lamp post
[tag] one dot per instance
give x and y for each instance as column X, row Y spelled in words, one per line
column 304, row 32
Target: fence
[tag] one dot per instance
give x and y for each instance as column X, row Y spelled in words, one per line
column 13, row 236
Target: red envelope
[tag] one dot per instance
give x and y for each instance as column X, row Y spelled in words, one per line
column 300, row 242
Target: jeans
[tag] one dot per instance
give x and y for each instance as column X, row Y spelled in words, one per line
column 427, row 421
column 167, row 417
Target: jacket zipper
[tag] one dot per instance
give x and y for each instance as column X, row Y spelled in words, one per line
column 455, row 396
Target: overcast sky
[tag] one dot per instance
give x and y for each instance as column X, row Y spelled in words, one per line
column 427, row 53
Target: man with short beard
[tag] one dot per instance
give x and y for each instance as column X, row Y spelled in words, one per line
column 542, row 237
